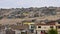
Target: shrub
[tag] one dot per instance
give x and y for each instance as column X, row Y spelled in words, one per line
column 52, row 31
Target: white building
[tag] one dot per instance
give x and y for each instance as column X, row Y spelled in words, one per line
column 43, row 28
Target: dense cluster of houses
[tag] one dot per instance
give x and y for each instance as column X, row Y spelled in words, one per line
column 29, row 12
column 29, row 28
column 38, row 26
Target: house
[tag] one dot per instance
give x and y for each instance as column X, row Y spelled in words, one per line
column 20, row 29
column 58, row 26
column 43, row 28
column 14, row 29
column 31, row 26
column 2, row 31
column 9, row 31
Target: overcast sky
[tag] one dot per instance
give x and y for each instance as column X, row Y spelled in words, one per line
column 28, row 3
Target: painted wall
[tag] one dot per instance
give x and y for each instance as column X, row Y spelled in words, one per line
column 45, row 27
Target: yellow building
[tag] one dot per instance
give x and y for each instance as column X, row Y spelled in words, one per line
column 29, row 23
column 31, row 27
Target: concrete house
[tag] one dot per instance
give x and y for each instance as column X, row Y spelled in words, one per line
column 9, row 31
column 20, row 29
column 2, row 31
column 58, row 26
column 43, row 28
column 31, row 27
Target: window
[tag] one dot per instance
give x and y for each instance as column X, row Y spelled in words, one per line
column 32, row 26
column 33, row 20
column 39, row 26
column 32, row 31
column 58, row 22
column 51, row 26
column 58, row 26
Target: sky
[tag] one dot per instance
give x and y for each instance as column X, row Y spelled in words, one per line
column 28, row 3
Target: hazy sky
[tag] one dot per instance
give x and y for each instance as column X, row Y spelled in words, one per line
column 28, row 3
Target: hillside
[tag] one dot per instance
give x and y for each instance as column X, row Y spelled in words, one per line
column 15, row 15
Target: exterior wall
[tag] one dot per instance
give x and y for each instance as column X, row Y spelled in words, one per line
column 38, row 32
column 46, row 27
column 32, row 27
column 57, row 24
column 2, row 32
column 29, row 26
column 17, row 32
column 10, row 31
column 58, row 13
column 58, row 31
column 29, row 23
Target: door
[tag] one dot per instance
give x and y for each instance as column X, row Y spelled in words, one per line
column 23, row 32
column 42, row 32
